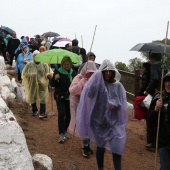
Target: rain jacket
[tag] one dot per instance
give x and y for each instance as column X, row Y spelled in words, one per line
column 20, row 64
column 63, row 83
column 75, row 90
column 164, row 127
column 102, row 111
column 36, row 82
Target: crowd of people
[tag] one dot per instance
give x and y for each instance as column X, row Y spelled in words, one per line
column 90, row 99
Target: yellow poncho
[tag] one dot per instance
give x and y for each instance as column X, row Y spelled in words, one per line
column 36, row 82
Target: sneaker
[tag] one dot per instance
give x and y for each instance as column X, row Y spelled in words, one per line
column 35, row 113
column 61, row 138
column 85, row 152
column 66, row 136
column 42, row 115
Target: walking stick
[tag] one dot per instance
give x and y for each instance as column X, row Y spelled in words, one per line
column 82, row 40
column 157, row 134
column 93, row 38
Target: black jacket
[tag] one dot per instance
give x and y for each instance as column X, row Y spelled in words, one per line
column 12, row 45
column 164, row 128
column 155, row 78
column 144, row 83
column 62, row 84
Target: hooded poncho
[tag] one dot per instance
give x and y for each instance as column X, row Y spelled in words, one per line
column 75, row 90
column 102, row 111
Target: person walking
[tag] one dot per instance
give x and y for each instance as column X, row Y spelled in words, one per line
column 102, row 113
column 12, row 45
column 22, row 59
column 35, row 76
column 61, row 80
column 75, row 90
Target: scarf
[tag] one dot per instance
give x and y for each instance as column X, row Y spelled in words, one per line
column 63, row 71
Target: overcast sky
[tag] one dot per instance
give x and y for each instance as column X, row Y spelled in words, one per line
column 120, row 24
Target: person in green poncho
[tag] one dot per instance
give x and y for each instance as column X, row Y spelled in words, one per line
column 35, row 76
column 61, row 80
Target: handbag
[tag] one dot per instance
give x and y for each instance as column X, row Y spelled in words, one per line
column 62, row 96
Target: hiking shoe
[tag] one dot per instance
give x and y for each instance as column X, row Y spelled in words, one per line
column 66, row 136
column 35, row 113
column 42, row 115
column 61, row 138
column 85, row 152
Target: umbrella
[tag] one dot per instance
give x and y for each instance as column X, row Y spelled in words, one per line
column 50, row 34
column 9, row 30
column 154, row 47
column 55, row 56
column 62, row 42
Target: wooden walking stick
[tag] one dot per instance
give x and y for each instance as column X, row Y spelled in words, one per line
column 93, row 38
column 157, row 134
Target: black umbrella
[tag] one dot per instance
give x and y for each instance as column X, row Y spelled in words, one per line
column 154, row 47
column 4, row 28
column 50, row 34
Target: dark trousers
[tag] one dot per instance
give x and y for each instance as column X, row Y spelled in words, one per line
column 19, row 75
column 100, row 159
column 164, row 155
column 11, row 59
column 42, row 108
column 63, row 108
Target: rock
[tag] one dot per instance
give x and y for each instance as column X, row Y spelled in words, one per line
column 20, row 93
column 14, row 152
column 42, row 161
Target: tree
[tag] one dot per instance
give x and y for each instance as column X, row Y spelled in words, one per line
column 121, row 66
column 134, row 64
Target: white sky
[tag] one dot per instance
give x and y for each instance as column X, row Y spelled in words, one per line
column 120, row 24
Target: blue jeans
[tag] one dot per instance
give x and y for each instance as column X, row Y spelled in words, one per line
column 63, row 115
column 100, row 159
column 164, row 155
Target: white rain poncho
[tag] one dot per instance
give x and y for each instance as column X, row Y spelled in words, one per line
column 36, row 82
column 102, row 111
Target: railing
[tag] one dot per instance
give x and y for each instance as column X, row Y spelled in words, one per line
column 137, row 78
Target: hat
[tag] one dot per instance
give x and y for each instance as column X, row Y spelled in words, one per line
column 35, row 52
column 75, row 42
column 166, row 77
column 33, row 41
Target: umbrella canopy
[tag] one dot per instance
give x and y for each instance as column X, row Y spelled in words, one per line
column 50, row 34
column 153, row 47
column 55, row 56
column 9, row 30
column 62, row 42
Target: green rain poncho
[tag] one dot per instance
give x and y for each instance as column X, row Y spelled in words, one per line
column 36, row 82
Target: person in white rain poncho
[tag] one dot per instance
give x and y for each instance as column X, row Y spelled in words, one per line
column 36, row 77
column 102, row 113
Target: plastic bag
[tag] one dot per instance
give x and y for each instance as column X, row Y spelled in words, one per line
column 147, row 101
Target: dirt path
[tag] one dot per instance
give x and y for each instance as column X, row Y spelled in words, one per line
column 42, row 136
